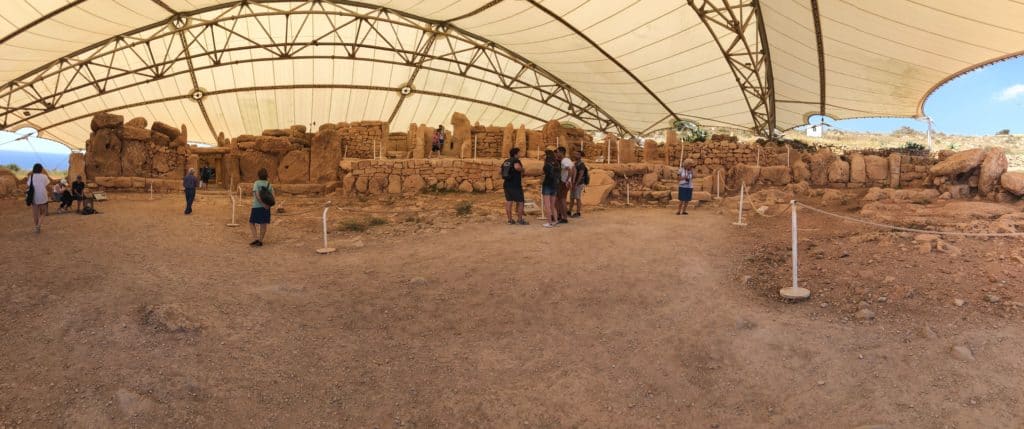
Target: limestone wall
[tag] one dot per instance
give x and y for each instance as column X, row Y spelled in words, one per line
column 116, row 148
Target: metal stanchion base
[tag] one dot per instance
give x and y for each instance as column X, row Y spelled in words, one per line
column 325, row 250
column 795, row 293
column 739, row 224
column 232, row 225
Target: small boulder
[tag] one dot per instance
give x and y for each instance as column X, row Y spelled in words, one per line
column 960, row 162
column 962, row 353
column 1013, row 182
column 106, row 120
column 864, row 314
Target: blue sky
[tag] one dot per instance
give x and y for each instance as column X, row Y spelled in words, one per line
column 979, row 103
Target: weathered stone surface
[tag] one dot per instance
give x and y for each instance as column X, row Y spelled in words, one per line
column 857, row 172
column 745, row 174
column 139, row 122
column 274, row 145
column 413, row 184
column 8, row 183
column 832, row 197
column 394, row 184
column 876, row 168
column 462, row 135
column 106, row 120
column 992, row 168
column 166, row 163
column 466, row 186
column 135, row 133
column 294, row 167
column 521, row 140
column 76, row 165
column 231, row 174
column 167, row 130
column 777, row 175
column 626, row 151
column 325, row 154
column 419, row 148
column 103, row 153
column 649, row 179
column 960, row 162
column 277, row 133
column 895, row 169
column 1013, row 182
column 160, row 139
column 250, row 162
column 508, row 137
column 818, row 165
column 839, row 171
column 135, row 159
column 181, row 140
column 651, row 151
column 800, row 172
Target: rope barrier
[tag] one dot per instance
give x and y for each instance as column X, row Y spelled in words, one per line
column 900, row 228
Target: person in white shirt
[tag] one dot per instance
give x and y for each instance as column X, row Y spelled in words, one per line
column 38, row 182
column 568, row 175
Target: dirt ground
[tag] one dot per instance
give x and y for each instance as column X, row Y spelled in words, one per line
column 628, row 317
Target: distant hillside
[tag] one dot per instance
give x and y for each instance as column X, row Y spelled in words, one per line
column 25, row 160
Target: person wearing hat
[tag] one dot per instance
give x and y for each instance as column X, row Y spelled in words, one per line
column 685, row 186
column 65, row 196
column 190, row 182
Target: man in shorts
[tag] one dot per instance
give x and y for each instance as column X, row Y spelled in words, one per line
column 512, row 173
column 581, row 181
column 568, row 173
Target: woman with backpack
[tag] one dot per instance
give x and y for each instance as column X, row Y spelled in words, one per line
column 262, row 201
column 36, row 196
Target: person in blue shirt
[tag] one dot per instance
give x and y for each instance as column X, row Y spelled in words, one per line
column 190, row 182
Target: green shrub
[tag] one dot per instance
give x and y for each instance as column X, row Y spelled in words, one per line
column 914, row 147
column 12, row 166
column 463, row 208
column 377, row 221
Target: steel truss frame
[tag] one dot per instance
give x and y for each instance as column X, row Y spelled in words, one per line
column 745, row 48
column 199, row 40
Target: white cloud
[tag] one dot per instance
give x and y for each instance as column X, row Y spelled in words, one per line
column 1012, row 92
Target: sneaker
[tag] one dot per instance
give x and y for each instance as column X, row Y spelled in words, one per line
column 563, row 221
column 548, row 225
column 511, row 222
column 255, row 243
column 259, row 243
column 523, row 222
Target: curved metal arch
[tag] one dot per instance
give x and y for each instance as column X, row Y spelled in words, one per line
column 298, row 86
column 46, row 87
column 728, row 22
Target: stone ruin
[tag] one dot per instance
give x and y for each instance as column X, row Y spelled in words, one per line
column 364, row 157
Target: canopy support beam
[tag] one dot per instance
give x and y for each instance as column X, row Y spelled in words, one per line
column 745, row 49
column 195, row 83
column 821, row 54
column 417, row 62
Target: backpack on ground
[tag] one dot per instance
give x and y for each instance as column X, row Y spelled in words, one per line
column 506, row 169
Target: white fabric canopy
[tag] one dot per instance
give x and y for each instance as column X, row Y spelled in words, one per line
column 633, row 66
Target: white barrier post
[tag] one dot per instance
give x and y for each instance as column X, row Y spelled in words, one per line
column 718, row 184
column 239, row 191
column 787, row 156
column 627, row 192
column 739, row 222
column 475, row 140
column 325, row 250
column 233, row 204
column 151, row 192
column 795, row 292
column 608, row 159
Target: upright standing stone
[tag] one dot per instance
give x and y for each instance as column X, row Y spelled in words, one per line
column 895, row 161
column 521, row 140
column 416, row 144
column 507, row 140
column 462, row 135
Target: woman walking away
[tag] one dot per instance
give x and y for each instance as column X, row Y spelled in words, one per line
column 262, row 199
column 189, row 183
column 512, row 176
column 65, row 196
column 685, row 186
column 549, row 187
column 37, row 197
